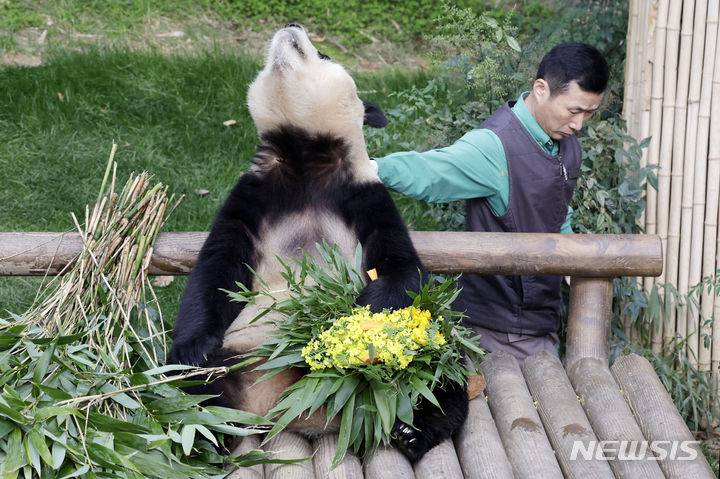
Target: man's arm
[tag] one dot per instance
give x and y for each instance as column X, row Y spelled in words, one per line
column 566, row 228
column 472, row 167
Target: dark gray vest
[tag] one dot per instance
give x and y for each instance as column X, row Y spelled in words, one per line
column 541, row 186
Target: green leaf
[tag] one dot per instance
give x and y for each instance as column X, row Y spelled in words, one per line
column 188, row 438
column 178, row 403
column 234, row 415
column 281, row 361
column 41, row 366
column 404, row 408
column 345, row 431
column 513, row 43
column 58, row 455
column 14, row 457
column 38, row 441
column 33, row 456
column 420, row 386
column 208, row 435
column 350, row 383
column 380, row 394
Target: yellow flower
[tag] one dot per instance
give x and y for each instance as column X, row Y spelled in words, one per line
column 394, row 336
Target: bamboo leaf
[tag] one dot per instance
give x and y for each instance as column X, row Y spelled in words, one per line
column 187, row 438
column 420, row 386
column 14, row 457
column 344, row 433
column 38, row 441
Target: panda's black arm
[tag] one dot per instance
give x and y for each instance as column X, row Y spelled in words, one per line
column 387, row 246
column 205, row 310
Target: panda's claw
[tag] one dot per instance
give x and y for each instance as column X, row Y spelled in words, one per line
column 410, row 441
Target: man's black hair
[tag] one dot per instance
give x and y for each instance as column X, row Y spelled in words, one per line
column 574, row 61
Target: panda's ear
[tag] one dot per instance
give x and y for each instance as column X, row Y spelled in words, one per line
column 374, row 116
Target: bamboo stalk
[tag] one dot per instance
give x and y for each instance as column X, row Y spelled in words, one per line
column 701, row 151
column 649, row 13
column 678, row 160
column 688, row 175
column 656, row 110
column 711, row 304
column 631, row 60
column 632, row 80
column 666, row 143
column 656, row 113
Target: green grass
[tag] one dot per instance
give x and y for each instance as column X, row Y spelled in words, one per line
column 58, row 121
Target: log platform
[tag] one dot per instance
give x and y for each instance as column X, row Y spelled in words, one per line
column 531, row 415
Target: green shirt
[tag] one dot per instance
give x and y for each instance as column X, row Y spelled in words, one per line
column 473, row 167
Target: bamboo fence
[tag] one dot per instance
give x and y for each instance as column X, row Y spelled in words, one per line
column 672, row 94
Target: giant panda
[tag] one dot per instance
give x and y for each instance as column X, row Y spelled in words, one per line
column 310, row 180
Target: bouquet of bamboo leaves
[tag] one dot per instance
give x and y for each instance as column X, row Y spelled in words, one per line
column 83, row 392
column 368, row 369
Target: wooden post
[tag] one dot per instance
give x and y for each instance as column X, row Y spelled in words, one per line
column 247, row 444
column 439, row 462
column 562, row 415
column 388, row 461
column 589, row 320
column 609, row 414
column 657, row 416
column 518, row 423
column 289, row 445
column 324, row 447
column 478, row 445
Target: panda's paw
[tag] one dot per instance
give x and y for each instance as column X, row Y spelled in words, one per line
column 195, row 352
column 410, row 441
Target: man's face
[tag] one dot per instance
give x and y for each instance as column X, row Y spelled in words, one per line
column 565, row 113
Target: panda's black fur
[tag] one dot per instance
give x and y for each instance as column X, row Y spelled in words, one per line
column 296, row 171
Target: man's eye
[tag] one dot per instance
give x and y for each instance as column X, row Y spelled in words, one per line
column 322, row 56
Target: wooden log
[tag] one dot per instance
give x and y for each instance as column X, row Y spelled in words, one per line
column 562, row 415
column 518, row 423
column 35, row 254
column 478, row 445
column 324, row 446
column 609, row 414
column 247, row 444
column 440, row 462
column 589, row 320
column 388, row 461
column 657, row 416
column 289, row 445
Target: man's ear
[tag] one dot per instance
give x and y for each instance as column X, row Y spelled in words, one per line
column 374, row 116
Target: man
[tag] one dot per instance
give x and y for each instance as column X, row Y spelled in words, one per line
column 517, row 173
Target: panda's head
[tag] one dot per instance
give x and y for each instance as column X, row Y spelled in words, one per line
column 303, row 88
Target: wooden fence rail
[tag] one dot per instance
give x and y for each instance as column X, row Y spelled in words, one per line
column 597, row 256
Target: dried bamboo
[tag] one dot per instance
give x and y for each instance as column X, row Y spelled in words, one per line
column 666, row 143
column 656, row 109
column 701, row 151
column 678, row 161
column 711, row 304
column 688, row 175
column 711, row 216
column 631, row 48
column 651, row 11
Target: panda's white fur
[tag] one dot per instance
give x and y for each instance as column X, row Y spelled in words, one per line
column 328, row 103
column 311, row 180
